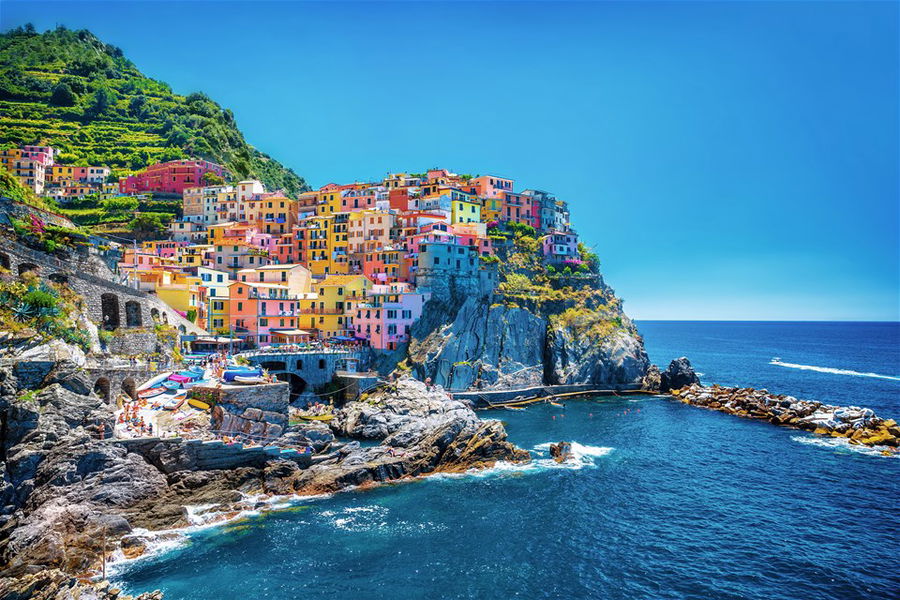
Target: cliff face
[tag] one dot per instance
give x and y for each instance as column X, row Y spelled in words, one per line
column 535, row 326
column 475, row 344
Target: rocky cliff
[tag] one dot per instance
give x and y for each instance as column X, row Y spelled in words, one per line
column 537, row 327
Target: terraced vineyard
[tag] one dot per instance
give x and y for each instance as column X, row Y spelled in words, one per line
column 70, row 90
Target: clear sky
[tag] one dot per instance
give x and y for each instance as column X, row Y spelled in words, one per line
column 727, row 160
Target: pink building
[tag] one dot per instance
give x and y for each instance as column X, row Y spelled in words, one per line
column 560, row 246
column 389, row 312
column 169, row 177
column 42, row 154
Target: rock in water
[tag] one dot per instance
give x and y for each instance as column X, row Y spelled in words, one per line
column 679, row 374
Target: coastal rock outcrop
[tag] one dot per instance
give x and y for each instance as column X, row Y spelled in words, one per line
column 679, row 374
column 474, row 344
column 422, row 431
column 858, row 425
column 618, row 358
column 53, row 584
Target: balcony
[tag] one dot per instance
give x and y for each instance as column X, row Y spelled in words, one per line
column 321, row 311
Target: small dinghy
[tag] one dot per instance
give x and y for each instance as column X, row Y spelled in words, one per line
column 151, row 393
column 197, row 370
column 253, row 379
column 173, row 403
column 171, row 385
column 199, row 404
column 317, row 417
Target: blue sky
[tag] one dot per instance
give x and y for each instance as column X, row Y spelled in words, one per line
column 727, row 160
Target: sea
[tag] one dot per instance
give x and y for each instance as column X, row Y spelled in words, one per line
column 664, row 500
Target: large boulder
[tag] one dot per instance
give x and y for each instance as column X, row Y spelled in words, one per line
column 679, row 374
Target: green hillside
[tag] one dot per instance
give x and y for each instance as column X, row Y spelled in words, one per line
column 70, row 90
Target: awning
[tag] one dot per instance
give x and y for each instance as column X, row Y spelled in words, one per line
column 213, row 340
column 289, row 332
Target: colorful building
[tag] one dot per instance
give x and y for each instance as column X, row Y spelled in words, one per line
column 171, row 177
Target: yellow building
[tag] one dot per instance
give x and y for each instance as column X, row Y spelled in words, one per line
column 317, row 238
column 191, row 256
column 491, row 209
column 464, row 208
column 329, row 310
column 182, row 293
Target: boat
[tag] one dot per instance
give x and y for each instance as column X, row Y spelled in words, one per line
column 198, row 404
column 201, row 382
column 230, row 374
column 514, row 407
column 317, row 417
column 151, row 392
column 557, row 404
column 154, row 381
column 173, row 403
column 249, row 380
column 197, row 369
column 171, row 385
column 180, row 378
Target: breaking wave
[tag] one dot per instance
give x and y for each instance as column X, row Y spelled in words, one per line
column 842, row 445
column 833, row 371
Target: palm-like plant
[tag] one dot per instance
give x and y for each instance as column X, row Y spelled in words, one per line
column 24, row 312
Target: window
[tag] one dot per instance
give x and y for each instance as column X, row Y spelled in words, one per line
column 264, row 322
column 240, row 306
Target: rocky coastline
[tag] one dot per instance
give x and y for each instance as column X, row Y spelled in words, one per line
column 70, row 496
column 859, row 426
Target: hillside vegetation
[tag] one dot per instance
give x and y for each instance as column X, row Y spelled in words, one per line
column 72, row 91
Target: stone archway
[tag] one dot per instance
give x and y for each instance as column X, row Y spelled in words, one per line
column 101, row 388
column 59, row 278
column 133, row 317
column 25, row 267
column 109, row 306
column 4, row 261
column 297, row 383
column 129, row 387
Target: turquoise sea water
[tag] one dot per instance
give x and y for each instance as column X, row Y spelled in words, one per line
column 666, row 501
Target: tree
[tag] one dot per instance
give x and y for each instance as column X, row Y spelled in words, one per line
column 102, row 100
column 119, row 205
column 147, row 223
column 212, row 178
column 137, row 106
column 63, row 95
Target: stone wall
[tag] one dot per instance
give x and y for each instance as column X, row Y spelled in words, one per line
column 258, row 411
column 106, row 301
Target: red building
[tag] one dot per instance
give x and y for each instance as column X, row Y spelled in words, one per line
column 169, row 177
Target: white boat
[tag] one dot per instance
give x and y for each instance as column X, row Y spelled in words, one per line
column 249, row 380
column 189, row 384
column 153, row 381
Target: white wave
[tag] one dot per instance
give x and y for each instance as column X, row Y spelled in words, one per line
column 833, row 371
column 842, row 444
column 201, row 517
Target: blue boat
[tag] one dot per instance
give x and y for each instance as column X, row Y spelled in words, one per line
column 232, row 373
column 171, row 385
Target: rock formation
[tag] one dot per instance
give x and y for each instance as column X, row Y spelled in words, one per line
column 679, row 374
column 858, row 425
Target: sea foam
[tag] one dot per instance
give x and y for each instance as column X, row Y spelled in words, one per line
column 842, row 445
column 833, row 371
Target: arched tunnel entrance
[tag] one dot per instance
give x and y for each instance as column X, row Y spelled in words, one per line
column 297, row 383
column 101, row 388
